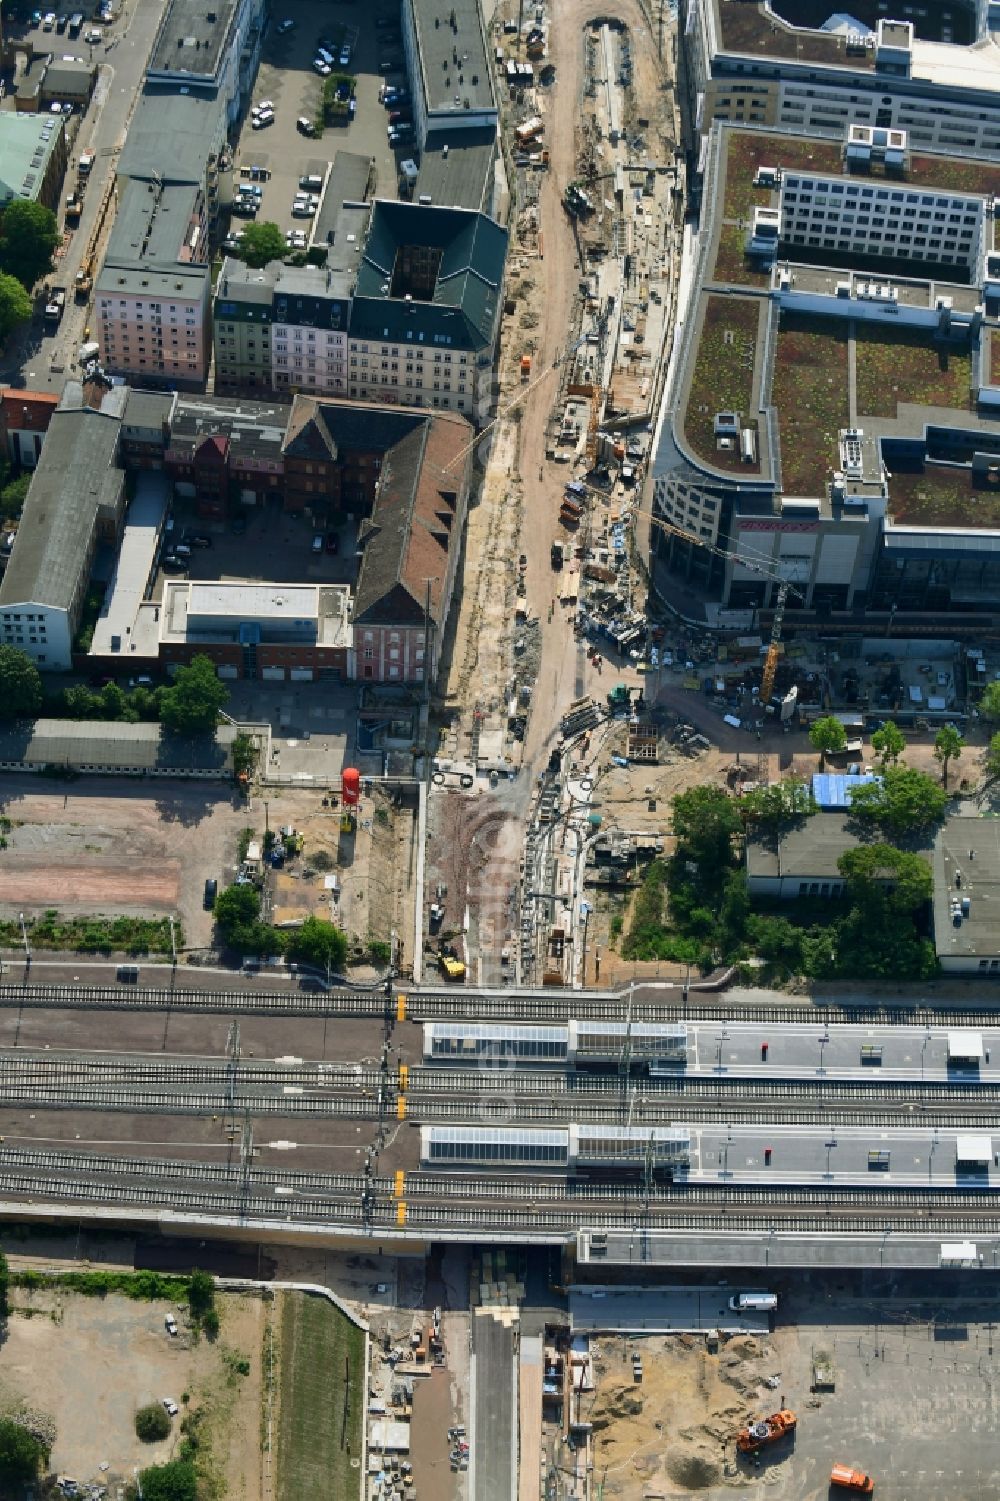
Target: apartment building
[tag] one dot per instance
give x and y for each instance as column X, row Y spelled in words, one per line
column 152, row 297
column 209, row 51
column 745, row 62
column 406, row 312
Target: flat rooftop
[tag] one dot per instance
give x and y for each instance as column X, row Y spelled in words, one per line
column 215, row 612
column 134, row 567
column 792, row 30
column 457, row 170
column 454, row 56
column 27, row 141
column 154, row 223
column 979, row 932
column 191, row 37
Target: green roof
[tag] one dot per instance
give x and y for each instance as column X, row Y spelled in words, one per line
column 463, row 308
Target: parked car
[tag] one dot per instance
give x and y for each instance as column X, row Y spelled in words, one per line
column 285, row 26
column 259, row 122
column 302, row 210
column 345, row 56
column 170, row 1405
column 312, row 184
column 61, row 23
column 317, row 543
column 201, row 539
column 171, row 564
column 390, row 65
column 211, row 891
column 48, row 20
column 304, row 126
column 323, row 69
column 169, row 1322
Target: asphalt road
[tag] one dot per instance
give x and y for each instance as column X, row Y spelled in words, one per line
column 494, row 1433
column 46, row 361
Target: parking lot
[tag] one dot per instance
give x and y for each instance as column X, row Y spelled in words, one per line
column 269, row 544
column 286, row 77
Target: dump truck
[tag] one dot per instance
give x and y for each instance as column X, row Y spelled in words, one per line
column 452, row 969
column 525, row 367
column 766, row 1431
column 851, row 1480
column 74, row 207
column 84, row 281
column 556, row 555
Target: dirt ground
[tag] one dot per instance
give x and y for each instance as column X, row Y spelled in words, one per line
column 91, row 1362
column 122, row 848
column 672, row 1433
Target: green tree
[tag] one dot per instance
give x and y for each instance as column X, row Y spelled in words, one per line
column 879, row 875
column 236, row 907
column 989, row 704
column 152, row 1423
column 705, row 820
column 201, row 1293
column 191, row 706
column 20, row 685
column 828, row 736
column 29, row 234
column 906, row 801
column 114, row 704
column 79, row 702
column 175, row 1481
column 13, row 496
column 888, row 743
column 245, row 755
column 948, row 746
column 15, row 305
column 779, row 803
column 21, row 1454
column 991, row 756
column 318, row 943
column 262, row 243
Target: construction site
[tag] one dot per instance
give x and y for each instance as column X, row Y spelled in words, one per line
column 597, row 215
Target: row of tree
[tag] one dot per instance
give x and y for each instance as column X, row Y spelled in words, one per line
column 29, row 234
column 317, row 943
column 829, row 737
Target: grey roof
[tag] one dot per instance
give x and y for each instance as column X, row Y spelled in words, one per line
column 351, row 179
column 148, row 409
column 463, row 310
column 152, row 221
column 344, row 239
column 313, row 296
column 26, row 143
column 76, row 475
column 809, row 851
column 462, row 177
column 191, row 38
column 453, row 47
column 72, row 742
column 979, row 933
column 244, row 294
column 253, row 427
column 384, row 539
column 171, row 135
column 189, row 283
column 68, row 78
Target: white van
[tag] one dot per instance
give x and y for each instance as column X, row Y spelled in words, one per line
column 754, row 1302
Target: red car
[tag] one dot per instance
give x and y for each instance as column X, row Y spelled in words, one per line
column 332, row 542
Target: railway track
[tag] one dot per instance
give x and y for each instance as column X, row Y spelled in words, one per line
column 462, row 1004
column 358, row 1206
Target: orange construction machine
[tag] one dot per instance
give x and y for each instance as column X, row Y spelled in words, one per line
column 851, row 1480
column 766, row 1431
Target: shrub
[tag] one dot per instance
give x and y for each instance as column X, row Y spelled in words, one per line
column 152, row 1423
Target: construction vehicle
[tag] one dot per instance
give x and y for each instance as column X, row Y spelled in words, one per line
column 766, row 1431
column 86, row 162
column 556, row 555
column 74, row 207
column 851, row 1480
column 577, row 202
column 55, row 305
column 84, row 280
column 525, row 367
column 451, row 968
column 623, row 697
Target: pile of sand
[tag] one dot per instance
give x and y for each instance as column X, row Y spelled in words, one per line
column 693, row 1469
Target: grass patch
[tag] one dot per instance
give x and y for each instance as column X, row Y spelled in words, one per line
column 321, row 1404
column 751, row 149
column 731, row 263
column 905, row 365
column 810, row 393
column 95, row 935
column 748, row 28
column 723, row 374
column 995, row 357
column 943, row 495
column 141, row 1287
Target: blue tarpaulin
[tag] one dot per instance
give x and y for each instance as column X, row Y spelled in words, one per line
column 833, row 789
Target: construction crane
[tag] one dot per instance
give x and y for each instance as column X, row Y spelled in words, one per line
column 784, row 589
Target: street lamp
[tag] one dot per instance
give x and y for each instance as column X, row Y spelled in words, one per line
column 24, row 935
column 724, row 1154
column 829, row 1144
column 923, row 1052
column 723, row 1037
column 824, row 1039
column 885, row 1236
